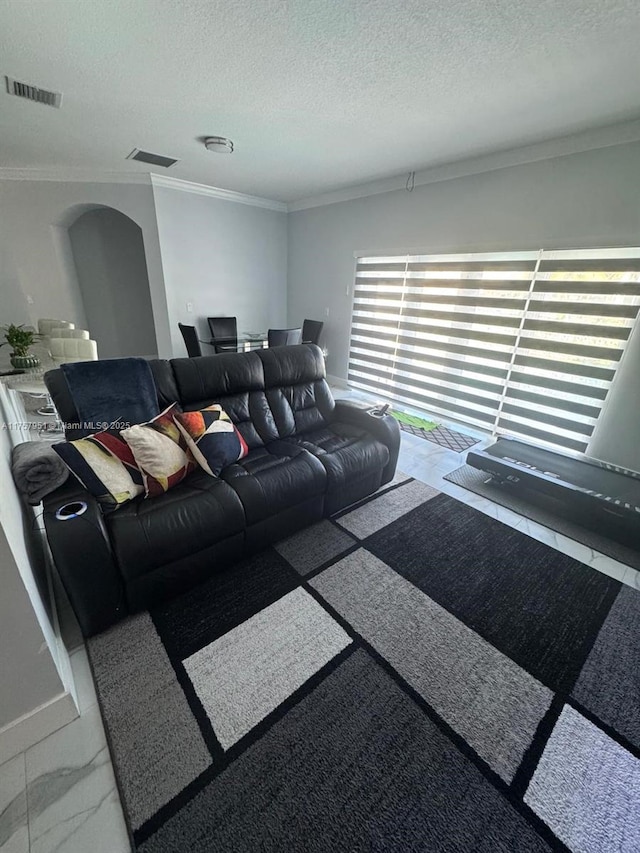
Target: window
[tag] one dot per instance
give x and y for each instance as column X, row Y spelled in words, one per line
column 523, row 343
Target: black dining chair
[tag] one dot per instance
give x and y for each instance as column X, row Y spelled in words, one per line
column 284, row 337
column 311, row 331
column 190, row 340
column 224, row 328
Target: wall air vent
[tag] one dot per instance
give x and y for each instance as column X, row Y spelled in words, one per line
column 33, row 93
column 154, row 159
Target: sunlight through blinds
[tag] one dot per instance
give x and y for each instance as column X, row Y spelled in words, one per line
column 523, row 343
column 582, row 310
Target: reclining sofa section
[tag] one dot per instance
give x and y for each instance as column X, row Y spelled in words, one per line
column 309, row 456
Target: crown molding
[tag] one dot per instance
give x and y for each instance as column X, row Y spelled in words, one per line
column 62, row 175
column 602, row 137
column 216, row 192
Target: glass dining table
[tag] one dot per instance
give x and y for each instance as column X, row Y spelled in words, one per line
column 245, row 341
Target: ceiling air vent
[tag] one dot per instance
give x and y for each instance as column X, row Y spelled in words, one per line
column 33, row 93
column 154, row 159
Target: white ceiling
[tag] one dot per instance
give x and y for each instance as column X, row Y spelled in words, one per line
column 316, row 94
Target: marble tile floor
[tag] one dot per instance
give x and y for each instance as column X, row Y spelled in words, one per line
column 60, row 795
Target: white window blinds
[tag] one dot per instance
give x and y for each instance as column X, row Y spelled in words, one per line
column 523, row 343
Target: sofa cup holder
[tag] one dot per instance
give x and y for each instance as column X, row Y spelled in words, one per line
column 73, row 509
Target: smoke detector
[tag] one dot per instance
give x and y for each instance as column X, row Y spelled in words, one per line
column 33, row 93
column 218, row 144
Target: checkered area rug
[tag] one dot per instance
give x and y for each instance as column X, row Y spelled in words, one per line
column 443, row 436
column 410, row 675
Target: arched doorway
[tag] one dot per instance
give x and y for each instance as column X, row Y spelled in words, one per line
column 109, row 258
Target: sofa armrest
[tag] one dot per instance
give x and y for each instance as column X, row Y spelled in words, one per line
column 384, row 429
column 82, row 555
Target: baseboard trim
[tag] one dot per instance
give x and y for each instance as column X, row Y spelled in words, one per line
column 36, row 725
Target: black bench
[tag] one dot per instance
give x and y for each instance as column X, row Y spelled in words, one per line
column 598, row 495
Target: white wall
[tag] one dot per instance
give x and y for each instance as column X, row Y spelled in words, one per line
column 226, row 258
column 108, row 252
column 590, row 199
column 29, row 676
column 35, row 252
column 35, row 676
column 28, row 672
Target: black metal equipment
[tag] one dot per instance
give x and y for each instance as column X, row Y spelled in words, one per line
column 603, row 497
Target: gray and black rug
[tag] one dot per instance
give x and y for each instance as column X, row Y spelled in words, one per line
column 409, row 676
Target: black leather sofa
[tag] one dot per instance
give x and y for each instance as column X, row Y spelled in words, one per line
column 309, row 456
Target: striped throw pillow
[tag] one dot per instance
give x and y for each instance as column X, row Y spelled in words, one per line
column 105, row 466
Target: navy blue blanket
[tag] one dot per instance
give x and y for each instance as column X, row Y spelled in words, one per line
column 112, row 393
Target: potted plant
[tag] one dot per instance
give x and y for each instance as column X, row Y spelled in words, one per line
column 20, row 339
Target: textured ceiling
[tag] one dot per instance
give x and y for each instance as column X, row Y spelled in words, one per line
column 316, row 94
